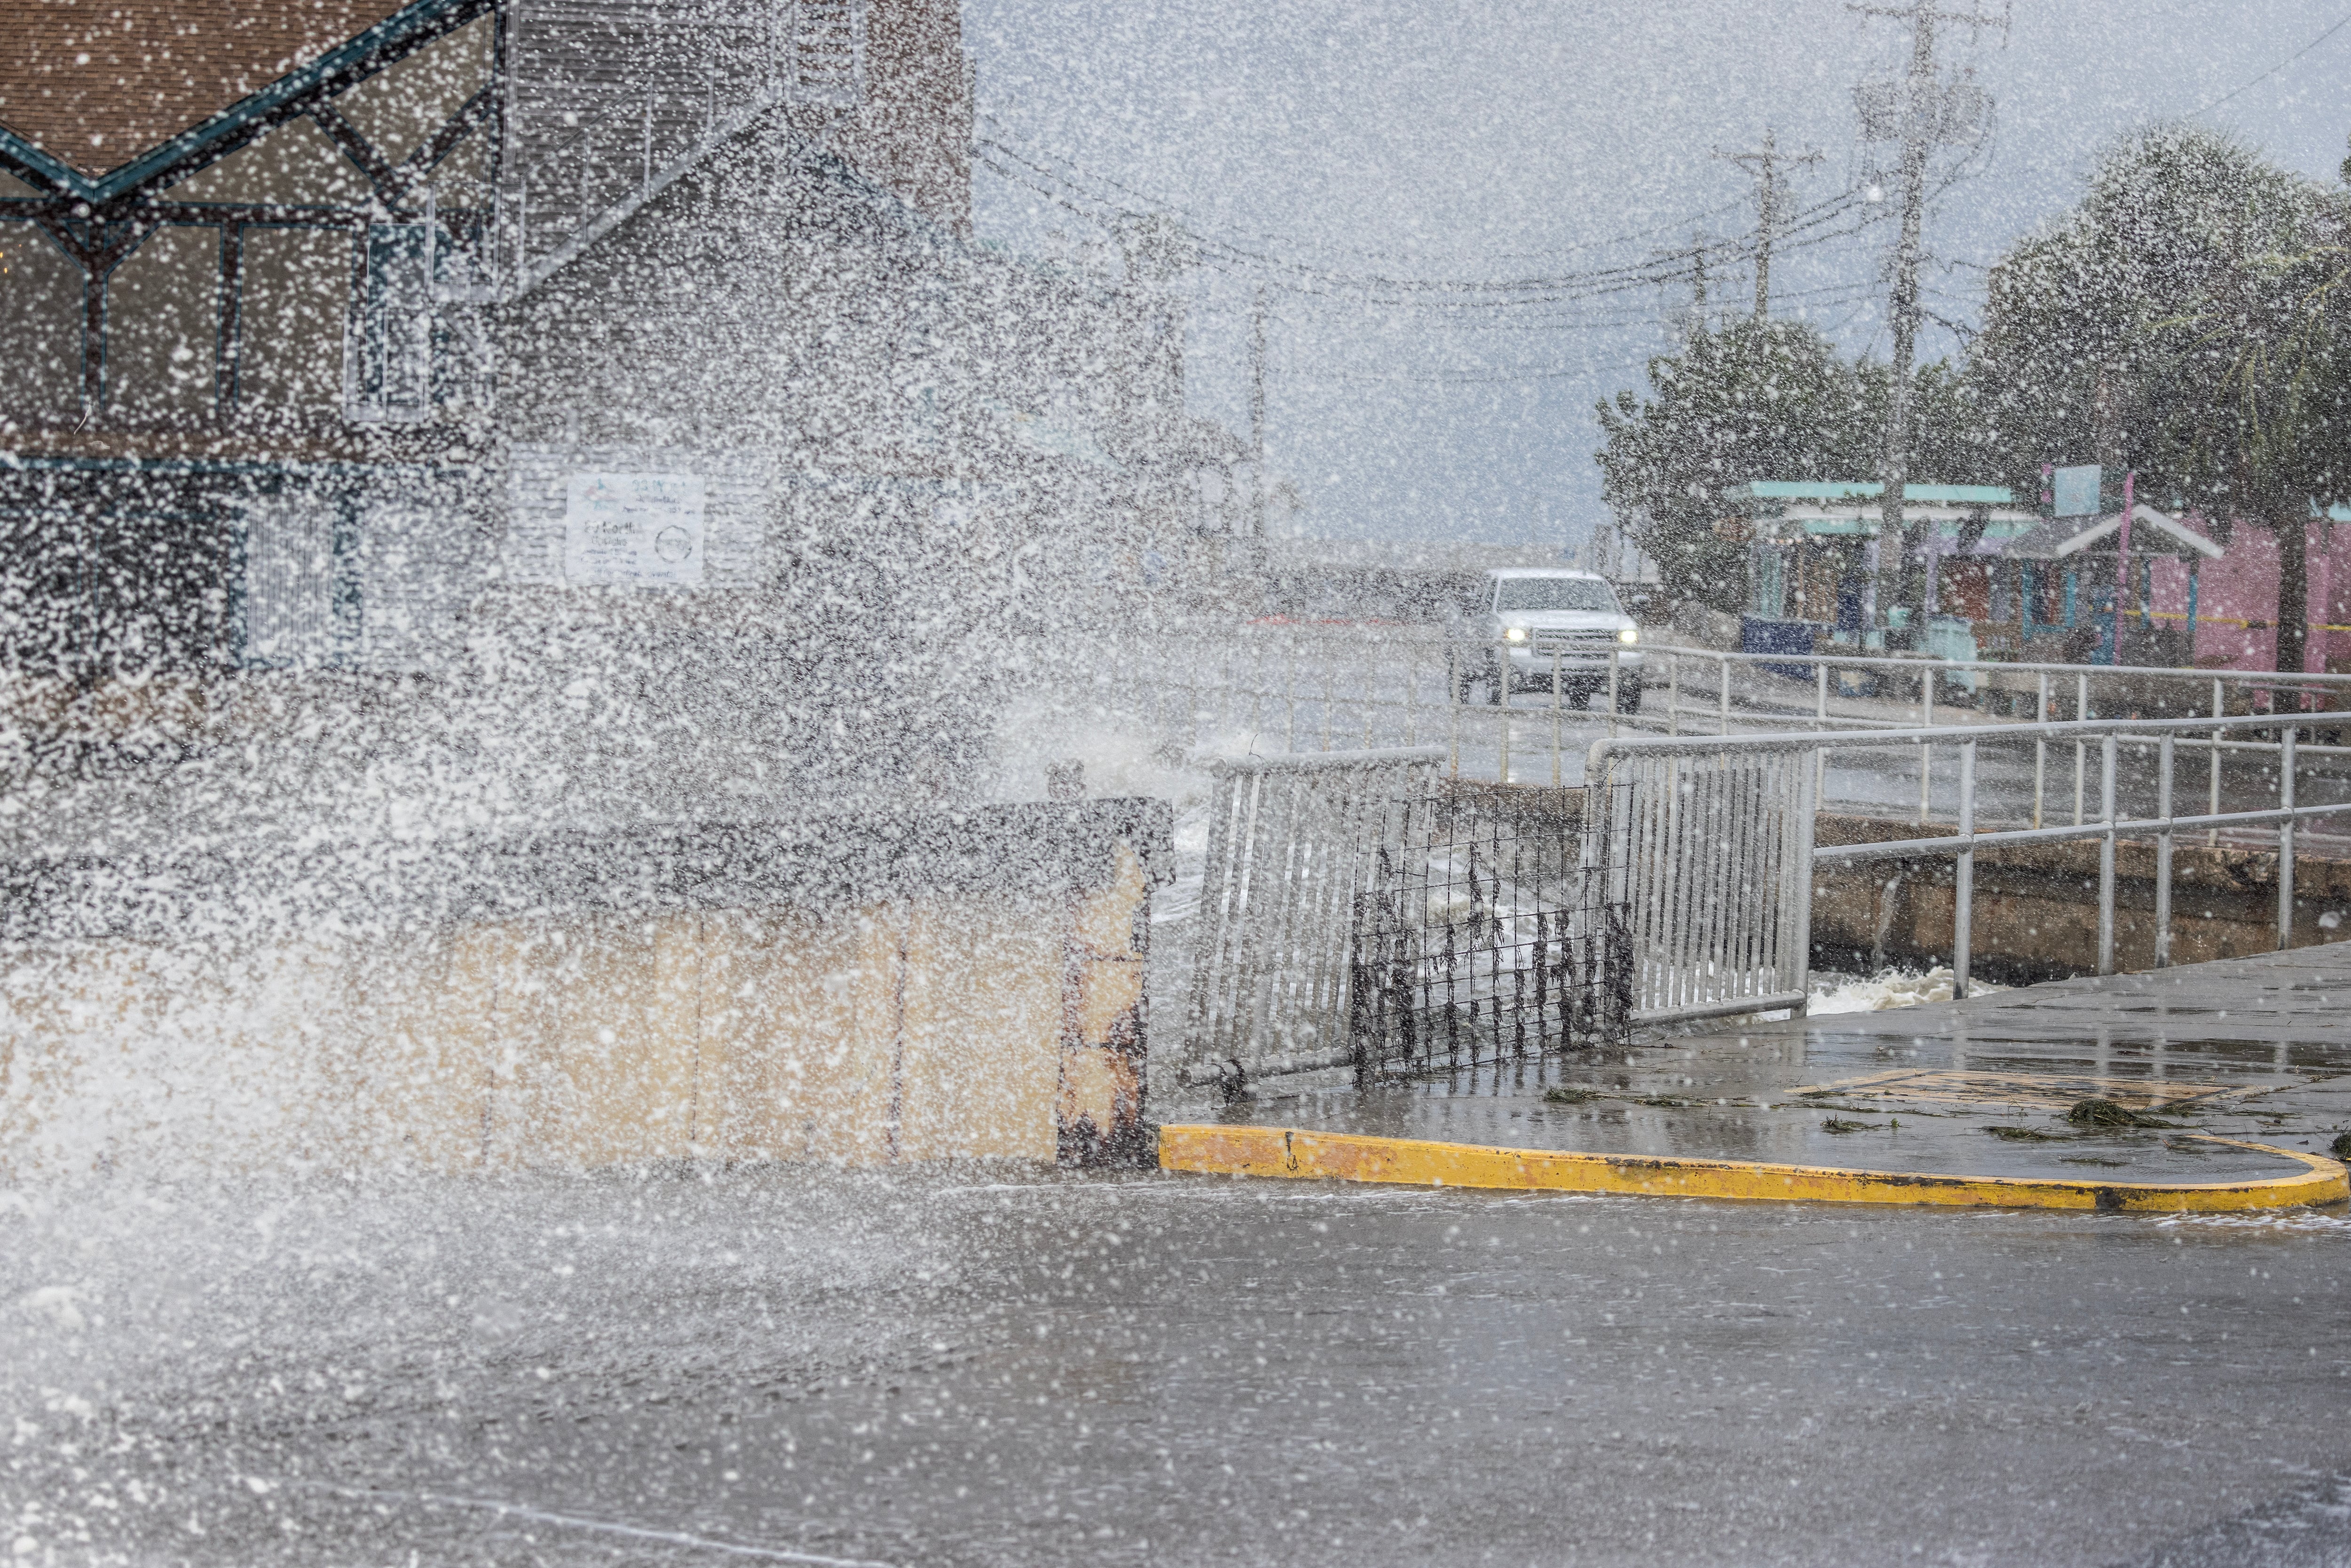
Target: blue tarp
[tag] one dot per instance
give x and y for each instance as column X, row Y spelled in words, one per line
column 1757, row 635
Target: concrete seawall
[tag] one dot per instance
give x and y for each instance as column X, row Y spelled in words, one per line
column 2037, row 905
column 972, row 987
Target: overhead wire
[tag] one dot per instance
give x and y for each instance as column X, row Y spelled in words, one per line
column 2339, row 24
column 1306, row 278
column 1525, row 304
column 1160, row 205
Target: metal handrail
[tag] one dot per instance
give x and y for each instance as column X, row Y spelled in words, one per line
column 1851, row 740
column 1298, row 679
column 1316, row 761
column 1962, row 844
column 1916, row 664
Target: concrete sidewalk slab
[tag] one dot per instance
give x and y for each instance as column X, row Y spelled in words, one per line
column 2238, row 1073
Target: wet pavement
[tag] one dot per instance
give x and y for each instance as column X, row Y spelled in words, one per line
column 693, row 1367
column 2247, row 1051
column 991, row 1365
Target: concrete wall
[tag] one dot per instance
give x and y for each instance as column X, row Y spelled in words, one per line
column 2036, row 906
column 858, row 990
column 933, row 1026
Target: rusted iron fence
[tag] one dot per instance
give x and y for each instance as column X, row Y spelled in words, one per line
column 1492, row 936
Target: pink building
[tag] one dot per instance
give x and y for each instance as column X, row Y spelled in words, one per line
column 2236, row 597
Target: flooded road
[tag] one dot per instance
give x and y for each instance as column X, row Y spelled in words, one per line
column 993, row 1369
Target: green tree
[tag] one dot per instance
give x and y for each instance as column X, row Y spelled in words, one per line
column 1761, row 399
column 1750, row 400
column 2185, row 320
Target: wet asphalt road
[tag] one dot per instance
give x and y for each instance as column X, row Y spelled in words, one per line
column 1000, row 1369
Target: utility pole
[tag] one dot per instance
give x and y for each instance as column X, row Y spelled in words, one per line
column 1763, row 164
column 1695, row 255
column 1257, row 412
column 1921, row 127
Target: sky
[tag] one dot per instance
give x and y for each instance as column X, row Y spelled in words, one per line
column 1344, row 155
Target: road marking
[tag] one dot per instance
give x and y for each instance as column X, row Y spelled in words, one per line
column 1346, row 1156
column 604, row 1526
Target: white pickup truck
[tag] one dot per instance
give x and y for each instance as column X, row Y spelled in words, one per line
column 1537, row 619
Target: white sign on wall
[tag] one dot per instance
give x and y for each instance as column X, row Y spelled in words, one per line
column 633, row 529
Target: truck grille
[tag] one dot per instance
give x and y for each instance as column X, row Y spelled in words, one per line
column 1577, row 642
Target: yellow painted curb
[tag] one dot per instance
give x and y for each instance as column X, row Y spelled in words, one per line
column 1347, row 1157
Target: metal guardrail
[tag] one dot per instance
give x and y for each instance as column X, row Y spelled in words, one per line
column 1291, row 838
column 1309, row 687
column 1357, row 912
column 1711, row 856
column 1696, row 854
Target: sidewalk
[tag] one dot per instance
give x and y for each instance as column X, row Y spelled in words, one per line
column 2237, row 1074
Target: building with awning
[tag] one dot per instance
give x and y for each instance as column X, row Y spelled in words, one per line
column 1814, row 549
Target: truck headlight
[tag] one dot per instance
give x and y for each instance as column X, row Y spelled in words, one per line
column 1629, row 634
column 1514, row 634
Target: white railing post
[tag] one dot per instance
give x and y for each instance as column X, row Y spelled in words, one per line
column 1806, row 826
column 1673, row 694
column 1554, row 717
column 1724, row 697
column 1502, row 707
column 2040, row 748
column 1927, row 753
column 2163, row 855
column 2285, row 840
column 1963, row 888
column 2212, row 839
column 2106, row 859
column 1821, row 755
column 1616, row 674
column 2081, row 753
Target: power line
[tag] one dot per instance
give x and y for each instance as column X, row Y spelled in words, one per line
column 1160, row 204
column 1356, row 290
column 1829, row 293
column 1501, row 378
column 1328, row 276
column 1635, row 275
column 2273, row 70
column 1471, row 374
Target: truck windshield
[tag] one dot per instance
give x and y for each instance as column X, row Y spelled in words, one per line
column 1553, row 593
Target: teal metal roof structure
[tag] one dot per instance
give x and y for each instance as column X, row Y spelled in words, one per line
column 1858, row 490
